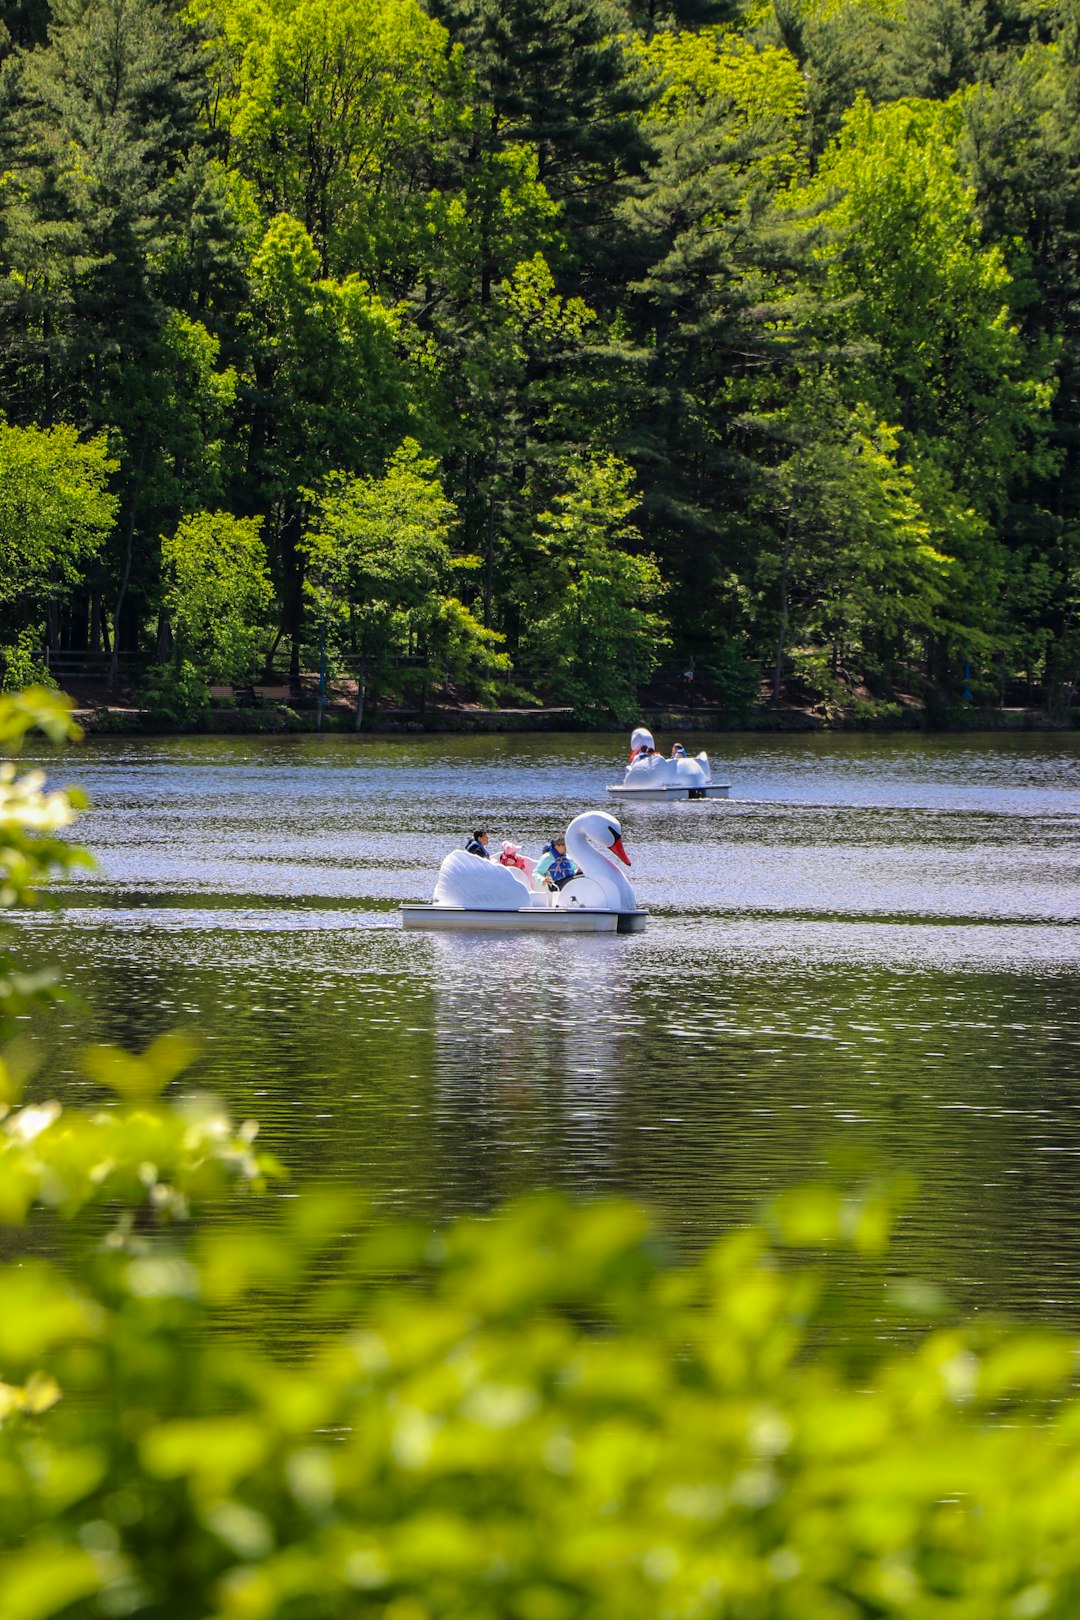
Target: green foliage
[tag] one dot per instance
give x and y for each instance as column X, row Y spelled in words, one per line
column 34, row 850
column 764, row 84
column 536, row 1414
column 590, row 624
column 253, row 245
column 55, row 511
column 24, row 663
column 934, row 299
column 177, row 692
column 217, row 592
column 330, row 109
column 31, row 818
column 380, row 562
column 855, row 570
column 328, row 350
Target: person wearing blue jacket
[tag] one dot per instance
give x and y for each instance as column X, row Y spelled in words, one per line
column 555, row 866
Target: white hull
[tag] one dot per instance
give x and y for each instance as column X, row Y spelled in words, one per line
column 540, row 920
column 658, row 795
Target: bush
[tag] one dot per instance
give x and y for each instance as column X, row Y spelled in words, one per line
column 24, row 663
column 176, row 693
column 876, row 712
column 312, row 1415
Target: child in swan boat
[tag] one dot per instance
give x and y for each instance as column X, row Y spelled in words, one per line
column 555, row 866
column 512, row 856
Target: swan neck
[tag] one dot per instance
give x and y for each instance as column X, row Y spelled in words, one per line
column 592, row 862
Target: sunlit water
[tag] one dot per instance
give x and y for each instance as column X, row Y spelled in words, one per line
column 868, row 958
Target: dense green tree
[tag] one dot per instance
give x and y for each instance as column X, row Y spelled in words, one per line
column 331, row 110
column 23, row 23
column 55, row 513
column 1022, row 149
column 724, row 308
column 553, row 75
column 844, row 48
column 257, row 243
column 326, row 394
column 515, row 389
column 591, row 590
column 103, row 202
column 858, row 584
column 381, row 568
column 942, row 45
column 107, row 119
column 217, row 592
column 951, row 366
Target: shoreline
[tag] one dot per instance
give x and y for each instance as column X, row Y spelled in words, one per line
column 272, row 718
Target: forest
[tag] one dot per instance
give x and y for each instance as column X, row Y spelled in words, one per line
column 529, row 348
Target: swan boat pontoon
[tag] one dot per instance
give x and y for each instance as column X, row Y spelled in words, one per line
column 471, row 893
column 651, row 778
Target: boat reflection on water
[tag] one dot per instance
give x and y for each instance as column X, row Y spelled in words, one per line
column 532, row 1038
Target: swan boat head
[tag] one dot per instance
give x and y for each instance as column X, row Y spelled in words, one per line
column 591, row 841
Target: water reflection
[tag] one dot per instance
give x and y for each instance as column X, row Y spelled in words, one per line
column 532, row 1043
column 872, row 955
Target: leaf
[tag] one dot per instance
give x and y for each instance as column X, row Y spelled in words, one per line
column 808, row 1217
column 45, row 1578
column 212, row 1452
column 141, row 1078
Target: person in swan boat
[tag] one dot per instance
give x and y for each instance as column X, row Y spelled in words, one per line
column 512, row 856
column 641, row 744
column 477, row 844
column 555, row 866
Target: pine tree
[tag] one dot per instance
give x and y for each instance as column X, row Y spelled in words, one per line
column 723, row 314
column 108, row 200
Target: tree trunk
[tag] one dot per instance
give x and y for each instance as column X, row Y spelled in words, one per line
column 268, row 667
column 785, row 560
column 114, row 657
column 489, row 559
column 293, row 568
column 361, row 690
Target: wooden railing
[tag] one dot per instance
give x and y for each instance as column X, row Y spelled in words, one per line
column 93, row 665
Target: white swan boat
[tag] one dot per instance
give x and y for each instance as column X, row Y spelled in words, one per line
column 651, row 777
column 477, row 894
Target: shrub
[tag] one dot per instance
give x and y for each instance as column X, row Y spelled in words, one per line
column 177, row 693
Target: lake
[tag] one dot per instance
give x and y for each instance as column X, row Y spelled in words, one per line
column 867, row 960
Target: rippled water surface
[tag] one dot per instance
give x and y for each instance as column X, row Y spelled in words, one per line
column 868, row 956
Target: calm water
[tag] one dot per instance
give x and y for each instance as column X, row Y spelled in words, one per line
column 868, row 957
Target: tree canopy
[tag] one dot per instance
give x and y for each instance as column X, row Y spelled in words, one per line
column 252, row 246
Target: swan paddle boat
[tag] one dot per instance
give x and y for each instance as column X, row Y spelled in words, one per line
column 478, row 894
column 650, row 776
